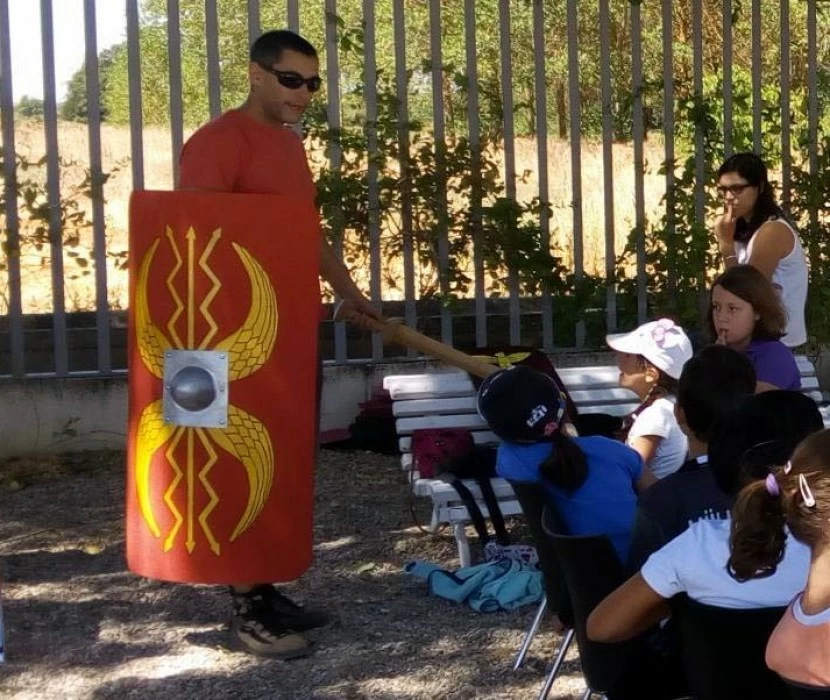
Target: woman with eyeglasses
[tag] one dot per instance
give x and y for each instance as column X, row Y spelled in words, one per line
column 754, row 230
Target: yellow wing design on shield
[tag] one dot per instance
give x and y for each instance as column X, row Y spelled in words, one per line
column 151, row 341
column 250, row 346
column 247, row 439
column 153, row 432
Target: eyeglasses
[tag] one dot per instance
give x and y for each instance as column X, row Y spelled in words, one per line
column 292, row 80
column 734, row 190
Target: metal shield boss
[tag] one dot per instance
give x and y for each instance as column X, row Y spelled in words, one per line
column 224, row 306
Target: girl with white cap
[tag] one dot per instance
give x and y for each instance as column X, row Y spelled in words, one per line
column 650, row 360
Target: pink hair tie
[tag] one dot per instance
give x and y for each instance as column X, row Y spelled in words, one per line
column 772, row 485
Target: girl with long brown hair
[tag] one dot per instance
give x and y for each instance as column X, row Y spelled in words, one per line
column 745, row 314
column 794, row 498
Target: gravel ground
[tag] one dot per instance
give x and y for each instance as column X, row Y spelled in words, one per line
column 80, row 626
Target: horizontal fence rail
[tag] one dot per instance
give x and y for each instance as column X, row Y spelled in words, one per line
column 496, row 172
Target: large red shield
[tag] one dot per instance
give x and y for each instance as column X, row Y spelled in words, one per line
column 233, row 278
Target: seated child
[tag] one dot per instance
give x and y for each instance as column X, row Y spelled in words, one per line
column 746, row 314
column 695, row 562
column 794, row 498
column 592, row 481
column 712, row 385
column 650, row 360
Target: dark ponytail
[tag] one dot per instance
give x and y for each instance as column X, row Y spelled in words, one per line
column 796, row 496
column 566, row 467
column 757, row 537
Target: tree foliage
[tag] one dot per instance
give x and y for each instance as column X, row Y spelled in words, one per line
column 678, row 247
column 29, row 108
column 233, row 43
column 75, row 107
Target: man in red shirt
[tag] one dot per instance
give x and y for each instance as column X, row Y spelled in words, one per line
column 254, row 150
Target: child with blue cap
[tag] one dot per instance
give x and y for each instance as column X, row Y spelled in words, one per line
column 593, row 482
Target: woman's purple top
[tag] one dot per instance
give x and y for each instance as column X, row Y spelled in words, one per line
column 774, row 364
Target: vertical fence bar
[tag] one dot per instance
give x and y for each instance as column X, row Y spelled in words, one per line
column 10, row 192
column 370, row 81
column 293, row 12
column 474, row 127
column 756, row 76
column 727, row 78
column 174, row 57
column 540, row 90
column 254, row 26
column 53, row 195
column 93, row 101
column 438, row 130
column 212, row 45
column 136, row 107
column 700, row 164
column 334, row 152
column 668, row 139
column 812, row 100
column 786, row 153
column 575, row 113
column 509, row 157
column 608, row 163
column 639, row 161
column 402, row 92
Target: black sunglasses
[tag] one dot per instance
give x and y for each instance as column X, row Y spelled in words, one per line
column 291, row 80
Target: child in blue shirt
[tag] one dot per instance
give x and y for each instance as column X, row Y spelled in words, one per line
column 593, row 482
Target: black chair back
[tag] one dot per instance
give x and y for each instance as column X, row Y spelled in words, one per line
column 806, row 692
column 532, row 498
column 591, row 570
column 724, row 650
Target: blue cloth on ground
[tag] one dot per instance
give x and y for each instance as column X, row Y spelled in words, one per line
column 504, row 584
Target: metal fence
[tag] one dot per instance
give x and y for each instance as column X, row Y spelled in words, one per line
column 19, row 356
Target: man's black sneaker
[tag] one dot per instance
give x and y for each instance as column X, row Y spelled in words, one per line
column 293, row 615
column 257, row 629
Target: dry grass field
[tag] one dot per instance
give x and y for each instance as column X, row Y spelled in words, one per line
column 74, row 152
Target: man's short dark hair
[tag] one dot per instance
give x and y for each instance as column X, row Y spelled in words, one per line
column 713, row 383
column 269, row 47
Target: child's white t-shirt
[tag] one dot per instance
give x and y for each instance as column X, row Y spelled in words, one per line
column 658, row 420
column 695, row 561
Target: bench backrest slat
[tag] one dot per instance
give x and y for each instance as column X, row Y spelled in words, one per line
column 447, row 399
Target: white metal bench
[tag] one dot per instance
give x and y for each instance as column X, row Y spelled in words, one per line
column 447, row 400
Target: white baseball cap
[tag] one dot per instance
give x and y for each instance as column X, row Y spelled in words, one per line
column 661, row 342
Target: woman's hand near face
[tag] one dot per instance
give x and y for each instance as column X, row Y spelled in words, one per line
column 725, row 234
